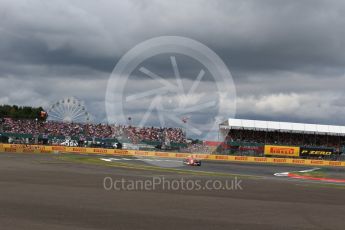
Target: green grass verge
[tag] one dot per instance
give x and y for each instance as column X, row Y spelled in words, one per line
column 320, row 173
column 95, row 160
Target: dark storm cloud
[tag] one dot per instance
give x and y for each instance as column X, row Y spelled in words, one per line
column 282, row 54
column 247, row 34
column 26, row 50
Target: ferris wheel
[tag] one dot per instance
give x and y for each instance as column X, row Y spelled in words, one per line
column 69, row 109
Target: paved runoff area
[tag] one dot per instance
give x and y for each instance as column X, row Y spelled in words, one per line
column 47, row 191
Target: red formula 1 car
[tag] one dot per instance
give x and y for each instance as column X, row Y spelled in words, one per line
column 192, row 161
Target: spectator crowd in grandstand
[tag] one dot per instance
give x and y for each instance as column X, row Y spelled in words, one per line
column 238, row 141
column 82, row 131
column 285, row 138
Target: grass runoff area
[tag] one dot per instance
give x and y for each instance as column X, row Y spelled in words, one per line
column 95, row 160
column 321, row 173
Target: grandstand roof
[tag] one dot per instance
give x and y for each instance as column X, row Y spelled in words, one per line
column 284, row 126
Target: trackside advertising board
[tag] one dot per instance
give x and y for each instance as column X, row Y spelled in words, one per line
column 312, row 151
column 286, row 151
column 282, row 150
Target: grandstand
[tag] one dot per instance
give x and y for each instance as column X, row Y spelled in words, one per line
column 55, row 132
column 255, row 134
column 238, row 136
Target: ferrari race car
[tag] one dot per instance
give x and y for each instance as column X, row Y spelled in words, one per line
column 192, row 161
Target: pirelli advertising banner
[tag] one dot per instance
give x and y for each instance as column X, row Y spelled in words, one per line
column 286, row 151
column 312, row 151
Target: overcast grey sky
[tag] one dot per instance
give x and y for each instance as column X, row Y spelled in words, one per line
column 287, row 58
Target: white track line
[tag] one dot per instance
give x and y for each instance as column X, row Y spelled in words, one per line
column 302, row 171
column 137, row 159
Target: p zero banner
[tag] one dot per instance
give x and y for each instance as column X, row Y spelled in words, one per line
column 312, row 151
column 277, row 150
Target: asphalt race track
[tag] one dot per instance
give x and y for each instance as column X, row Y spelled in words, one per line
column 236, row 168
column 49, row 192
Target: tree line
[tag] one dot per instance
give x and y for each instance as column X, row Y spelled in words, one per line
column 20, row 112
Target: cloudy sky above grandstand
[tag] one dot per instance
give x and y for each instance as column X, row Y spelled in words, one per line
column 287, row 58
